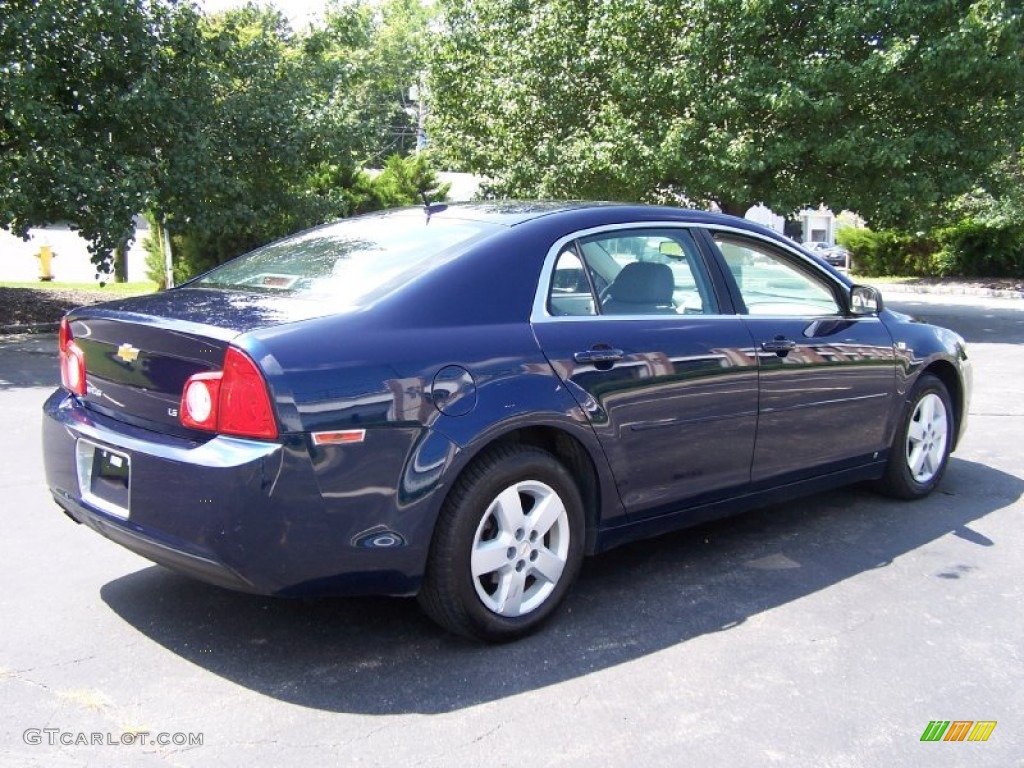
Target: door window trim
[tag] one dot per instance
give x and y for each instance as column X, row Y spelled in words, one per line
column 791, row 253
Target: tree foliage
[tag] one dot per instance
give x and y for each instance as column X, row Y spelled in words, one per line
column 83, row 94
column 231, row 129
column 235, row 129
column 288, row 124
column 237, row 177
column 382, row 48
column 887, row 107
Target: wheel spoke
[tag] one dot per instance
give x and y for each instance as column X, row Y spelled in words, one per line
column 508, row 600
column 916, row 431
column 548, row 566
column 508, row 510
column 915, row 460
column 927, row 465
column 489, row 557
column 546, row 514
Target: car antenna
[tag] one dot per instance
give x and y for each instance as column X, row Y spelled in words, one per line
column 431, row 208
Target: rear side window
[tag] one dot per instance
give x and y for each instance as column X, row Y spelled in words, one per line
column 350, row 261
column 571, row 290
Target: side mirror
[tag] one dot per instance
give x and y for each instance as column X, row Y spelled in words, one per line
column 865, row 301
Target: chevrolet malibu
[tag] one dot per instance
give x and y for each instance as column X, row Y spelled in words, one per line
column 460, row 402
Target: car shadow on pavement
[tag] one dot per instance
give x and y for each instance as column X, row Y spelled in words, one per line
column 382, row 656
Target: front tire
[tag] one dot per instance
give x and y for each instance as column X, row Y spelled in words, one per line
column 507, row 547
column 921, row 446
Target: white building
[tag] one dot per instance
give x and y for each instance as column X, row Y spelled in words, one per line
column 765, row 216
column 71, row 263
column 818, row 226
column 815, row 225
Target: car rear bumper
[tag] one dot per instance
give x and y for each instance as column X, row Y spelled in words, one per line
column 203, row 566
column 243, row 514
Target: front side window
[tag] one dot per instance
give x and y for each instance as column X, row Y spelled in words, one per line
column 631, row 273
column 772, row 284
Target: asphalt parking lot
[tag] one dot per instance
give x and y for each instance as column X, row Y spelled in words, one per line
column 828, row 632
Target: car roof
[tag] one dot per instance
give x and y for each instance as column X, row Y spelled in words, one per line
column 502, row 212
column 510, row 213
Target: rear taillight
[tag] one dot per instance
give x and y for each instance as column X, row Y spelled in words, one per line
column 72, row 360
column 234, row 401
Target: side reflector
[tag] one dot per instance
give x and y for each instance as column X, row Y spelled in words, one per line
column 341, row 437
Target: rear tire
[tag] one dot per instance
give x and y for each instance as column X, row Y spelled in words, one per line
column 507, row 546
column 922, row 443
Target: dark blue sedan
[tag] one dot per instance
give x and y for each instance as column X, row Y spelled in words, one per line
column 460, row 402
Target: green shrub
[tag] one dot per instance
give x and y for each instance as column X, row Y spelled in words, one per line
column 975, row 248
column 877, row 254
column 155, row 258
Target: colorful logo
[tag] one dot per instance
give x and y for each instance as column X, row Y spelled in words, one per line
column 958, row 730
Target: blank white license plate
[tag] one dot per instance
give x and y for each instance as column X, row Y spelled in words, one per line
column 104, row 477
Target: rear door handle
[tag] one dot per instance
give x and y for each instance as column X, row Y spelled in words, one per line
column 599, row 356
column 780, row 347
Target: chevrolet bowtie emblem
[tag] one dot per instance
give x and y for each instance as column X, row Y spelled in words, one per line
column 128, row 353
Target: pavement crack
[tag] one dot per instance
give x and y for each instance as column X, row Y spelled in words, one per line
column 58, row 665
column 487, row 734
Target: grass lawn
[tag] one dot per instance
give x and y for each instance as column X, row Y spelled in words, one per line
column 116, row 290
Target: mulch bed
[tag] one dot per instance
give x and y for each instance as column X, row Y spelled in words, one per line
column 32, row 307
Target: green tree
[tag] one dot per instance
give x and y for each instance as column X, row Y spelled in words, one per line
column 82, row 108
column 237, row 178
column 370, row 61
column 283, row 124
column 231, row 129
column 887, row 107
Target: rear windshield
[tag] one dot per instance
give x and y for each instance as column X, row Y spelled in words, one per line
column 350, row 262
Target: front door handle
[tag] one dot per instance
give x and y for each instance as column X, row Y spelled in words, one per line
column 599, row 355
column 779, row 346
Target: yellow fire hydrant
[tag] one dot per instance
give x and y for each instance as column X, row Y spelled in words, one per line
column 46, row 257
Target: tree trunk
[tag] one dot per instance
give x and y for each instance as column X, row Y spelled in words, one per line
column 734, row 208
column 121, row 263
column 165, row 240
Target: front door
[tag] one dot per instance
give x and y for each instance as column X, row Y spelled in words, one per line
column 826, row 379
column 633, row 325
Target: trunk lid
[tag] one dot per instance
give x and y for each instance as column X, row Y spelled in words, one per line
column 139, row 352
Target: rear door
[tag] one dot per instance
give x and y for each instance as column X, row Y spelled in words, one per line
column 632, row 320
column 827, row 379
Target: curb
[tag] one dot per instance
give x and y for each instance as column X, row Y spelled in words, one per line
column 949, row 290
